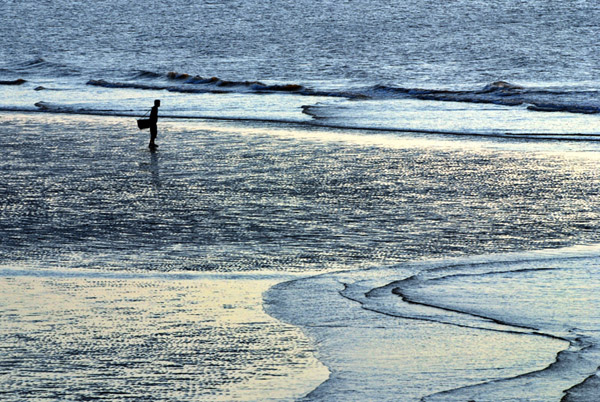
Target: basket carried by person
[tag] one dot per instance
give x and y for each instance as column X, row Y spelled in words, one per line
column 143, row 123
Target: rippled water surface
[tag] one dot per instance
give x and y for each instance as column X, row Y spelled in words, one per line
column 415, row 41
column 117, row 338
column 85, row 192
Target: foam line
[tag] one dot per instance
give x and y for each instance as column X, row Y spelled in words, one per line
column 43, row 107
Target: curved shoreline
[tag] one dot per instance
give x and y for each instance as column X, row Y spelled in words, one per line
column 302, row 309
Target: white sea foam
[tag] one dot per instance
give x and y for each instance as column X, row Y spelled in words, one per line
column 493, row 328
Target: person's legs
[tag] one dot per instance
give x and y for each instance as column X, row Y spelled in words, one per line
column 153, row 132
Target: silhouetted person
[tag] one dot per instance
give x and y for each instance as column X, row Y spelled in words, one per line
column 153, row 120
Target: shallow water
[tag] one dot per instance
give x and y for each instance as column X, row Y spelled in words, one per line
column 512, row 327
column 83, row 192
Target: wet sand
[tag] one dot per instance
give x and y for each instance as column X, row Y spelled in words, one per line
column 105, row 244
column 88, row 336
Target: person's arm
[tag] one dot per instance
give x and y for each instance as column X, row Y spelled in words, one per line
column 154, row 114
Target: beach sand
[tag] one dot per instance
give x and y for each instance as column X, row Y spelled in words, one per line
column 86, row 336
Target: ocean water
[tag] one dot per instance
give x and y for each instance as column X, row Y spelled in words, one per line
column 499, row 67
column 350, row 201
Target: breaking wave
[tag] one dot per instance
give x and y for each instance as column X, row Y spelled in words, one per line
column 323, row 110
column 501, row 93
column 498, row 93
column 146, row 74
column 218, row 86
column 197, row 84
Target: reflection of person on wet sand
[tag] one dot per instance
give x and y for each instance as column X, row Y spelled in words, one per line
column 154, row 170
column 153, row 120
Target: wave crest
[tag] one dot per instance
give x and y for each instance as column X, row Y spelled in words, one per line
column 19, row 81
column 501, row 85
column 131, row 85
column 147, row 74
column 42, row 65
column 500, row 92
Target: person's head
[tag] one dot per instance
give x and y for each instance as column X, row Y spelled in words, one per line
column 157, row 103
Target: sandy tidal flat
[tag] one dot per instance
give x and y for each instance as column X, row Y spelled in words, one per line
column 93, row 337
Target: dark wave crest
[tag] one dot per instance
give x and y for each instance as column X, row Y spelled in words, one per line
column 501, row 93
column 137, row 85
column 257, row 86
column 254, row 85
column 207, row 85
column 131, row 85
column 19, row 81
